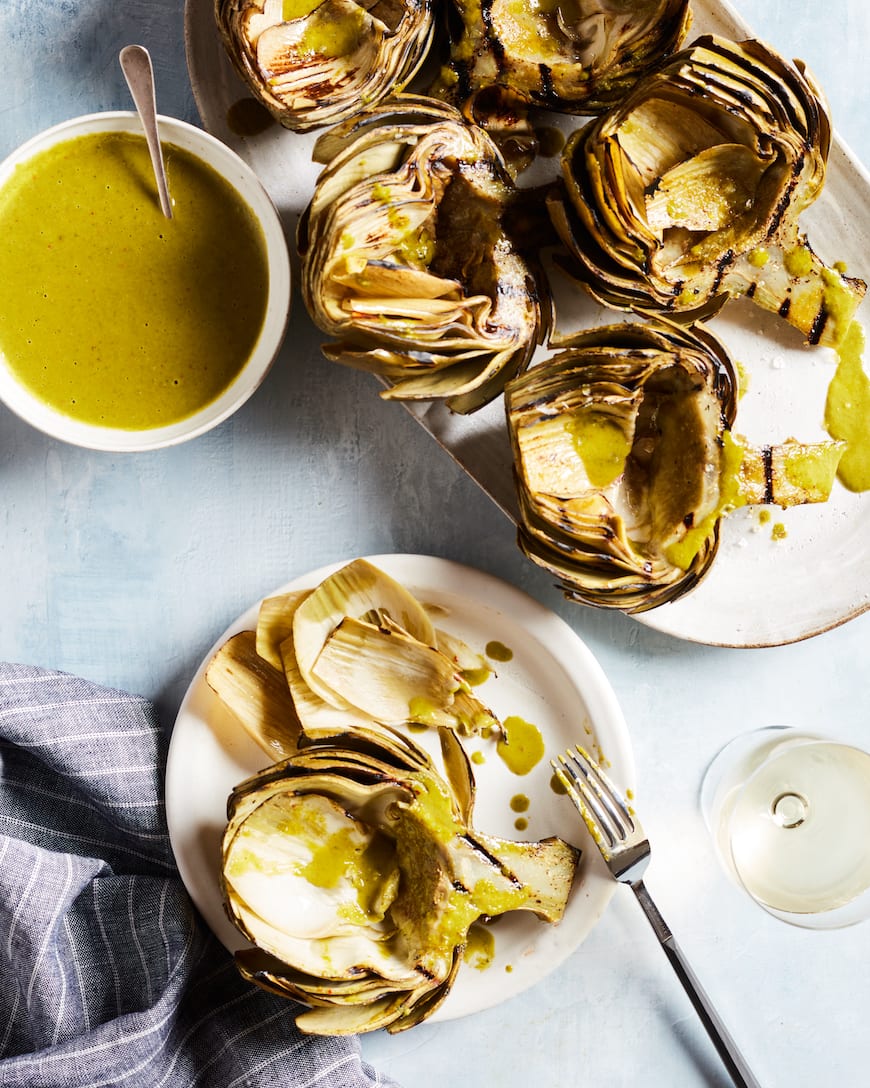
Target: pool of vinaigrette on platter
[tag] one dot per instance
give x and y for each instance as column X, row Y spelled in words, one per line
column 114, row 315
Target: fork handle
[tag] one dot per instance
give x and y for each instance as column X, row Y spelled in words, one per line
column 721, row 1039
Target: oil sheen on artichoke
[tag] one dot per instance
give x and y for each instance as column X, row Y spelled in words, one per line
column 112, row 314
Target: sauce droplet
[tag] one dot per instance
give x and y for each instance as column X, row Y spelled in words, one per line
column 479, row 947
column 497, row 651
column 521, row 745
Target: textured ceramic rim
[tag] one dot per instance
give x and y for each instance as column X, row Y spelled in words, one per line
column 246, row 183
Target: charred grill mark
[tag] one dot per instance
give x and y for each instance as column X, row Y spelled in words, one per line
column 725, row 261
column 751, row 289
column 495, row 44
column 462, row 68
column 547, row 92
column 785, row 199
column 767, row 461
column 818, row 327
column 785, row 308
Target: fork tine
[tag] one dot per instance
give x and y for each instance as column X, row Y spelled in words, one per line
column 589, row 801
column 609, row 794
column 593, row 791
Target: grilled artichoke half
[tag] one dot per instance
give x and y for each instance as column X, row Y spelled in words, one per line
column 314, row 62
column 356, row 874
column 625, row 462
column 689, row 192
column 406, row 259
column 574, row 56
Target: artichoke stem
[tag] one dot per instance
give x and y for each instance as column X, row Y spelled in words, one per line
column 796, row 284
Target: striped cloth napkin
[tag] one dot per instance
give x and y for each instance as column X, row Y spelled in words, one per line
column 108, row 976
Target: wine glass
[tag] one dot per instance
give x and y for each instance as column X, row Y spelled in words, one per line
column 789, row 813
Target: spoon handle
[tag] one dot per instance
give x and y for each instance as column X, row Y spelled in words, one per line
column 135, row 63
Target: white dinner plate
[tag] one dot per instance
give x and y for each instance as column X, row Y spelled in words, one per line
column 765, row 588
column 552, row 681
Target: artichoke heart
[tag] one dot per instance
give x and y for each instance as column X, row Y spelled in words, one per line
column 312, row 63
column 355, row 873
column 689, row 192
column 626, row 462
column 406, row 260
column 574, row 56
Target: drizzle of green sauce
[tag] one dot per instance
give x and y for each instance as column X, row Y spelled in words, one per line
column 758, row 257
column 497, row 651
column 521, row 823
column 297, row 9
column 476, row 677
column 417, row 248
column 82, row 237
column 519, row 803
column 798, row 261
column 326, row 36
column 423, row 713
column 557, row 785
column 847, row 411
column 778, row 532
column 764, row 516
column 602, row 444
column 521, row 745
column 682, row 552
column 480, row 947
column 810, row 470
column 478, row 758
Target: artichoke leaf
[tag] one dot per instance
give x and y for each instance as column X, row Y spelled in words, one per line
column 385, row 281
column 318, row 718
column 355, row 590
column 256, row 693
column 707, row 192
column 383, row 672
column 275, row 624
column 466, row 661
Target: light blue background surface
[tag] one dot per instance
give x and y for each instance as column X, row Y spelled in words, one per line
column 125, row 569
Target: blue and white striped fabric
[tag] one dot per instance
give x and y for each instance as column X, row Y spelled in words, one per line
column 107, row 974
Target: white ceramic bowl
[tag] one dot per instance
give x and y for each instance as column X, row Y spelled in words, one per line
column 250, row 190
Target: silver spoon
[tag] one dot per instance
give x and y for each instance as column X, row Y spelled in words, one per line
column 135, row 63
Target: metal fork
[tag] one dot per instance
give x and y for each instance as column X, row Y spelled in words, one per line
column 625, row 848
